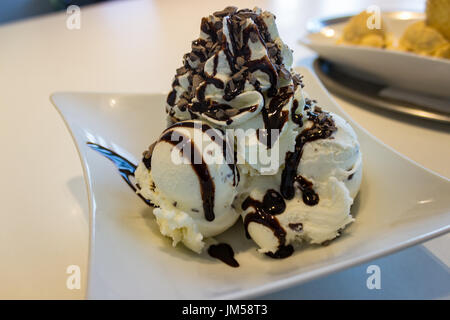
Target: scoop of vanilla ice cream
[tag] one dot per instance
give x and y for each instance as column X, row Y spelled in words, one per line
column 172, row 222
column 193, row 181
column 338, row 156
column 333, row 167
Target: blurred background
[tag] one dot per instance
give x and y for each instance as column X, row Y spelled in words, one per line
column 11, row 10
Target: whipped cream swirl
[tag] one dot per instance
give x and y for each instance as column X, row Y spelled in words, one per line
column 238, row 69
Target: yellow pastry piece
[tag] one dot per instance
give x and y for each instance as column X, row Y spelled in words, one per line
column 438, row 16
column 422, row 39
column 444, row 51
column 429, row 37
column 357, row 32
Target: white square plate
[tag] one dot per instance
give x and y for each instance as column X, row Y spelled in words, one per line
column 400, row 204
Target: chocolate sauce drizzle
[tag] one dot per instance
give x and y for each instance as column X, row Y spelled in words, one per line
column 125, row 167
column 238, row 54
column 273, row 203
column 274, row 117
column 171, row 97
column 264, row 214
column 309, row 196
column 224, row 252
column 296, row 118
column 322, row 128
column 227, row 149
column 282, row 252
column 207, row 186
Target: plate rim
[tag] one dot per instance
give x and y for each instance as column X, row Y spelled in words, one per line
column 319, row 22
column 305, row 41
column 401, row 107
column 276, row 284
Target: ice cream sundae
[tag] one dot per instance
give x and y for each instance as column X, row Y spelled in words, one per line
column 244, row 141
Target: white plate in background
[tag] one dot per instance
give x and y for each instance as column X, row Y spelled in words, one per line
column 426, row 75
column 400, row 204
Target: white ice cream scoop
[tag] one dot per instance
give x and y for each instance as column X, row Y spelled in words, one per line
column 337, row 157
column 193, row 180
column 328, row 177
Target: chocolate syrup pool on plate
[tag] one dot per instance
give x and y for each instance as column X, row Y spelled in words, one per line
column 224, row 252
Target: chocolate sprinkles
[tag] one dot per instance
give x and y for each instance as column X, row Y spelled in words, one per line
column 238, row 56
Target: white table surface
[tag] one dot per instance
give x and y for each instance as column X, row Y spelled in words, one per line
column 135, row 46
